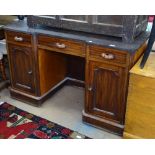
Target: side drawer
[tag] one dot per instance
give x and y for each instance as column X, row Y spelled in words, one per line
column 18, row 38
column 62, row 45
column 107, row 54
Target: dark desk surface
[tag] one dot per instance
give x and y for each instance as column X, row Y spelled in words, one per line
column 106, row 41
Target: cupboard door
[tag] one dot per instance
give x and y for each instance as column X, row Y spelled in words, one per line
column 106, row 91
column 21, row 64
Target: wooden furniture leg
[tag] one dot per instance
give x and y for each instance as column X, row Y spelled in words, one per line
column 2, row 69
column 149, row 46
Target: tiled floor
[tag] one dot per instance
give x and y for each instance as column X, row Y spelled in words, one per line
column 64, row 108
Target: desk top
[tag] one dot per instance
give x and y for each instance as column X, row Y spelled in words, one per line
column 106, row 41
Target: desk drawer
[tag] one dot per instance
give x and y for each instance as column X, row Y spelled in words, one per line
column 18, row 37
column 107, row 54
column 62, row 45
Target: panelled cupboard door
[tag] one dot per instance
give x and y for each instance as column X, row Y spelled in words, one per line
column 105, row 91
column 21, row 64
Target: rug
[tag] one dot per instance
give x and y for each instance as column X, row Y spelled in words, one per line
column 18, row 124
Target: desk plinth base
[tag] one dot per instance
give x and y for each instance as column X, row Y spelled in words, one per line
column 103, row 123
column 38, row 100
column 30, row 99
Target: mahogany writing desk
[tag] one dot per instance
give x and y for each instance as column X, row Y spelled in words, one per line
column 43, row 60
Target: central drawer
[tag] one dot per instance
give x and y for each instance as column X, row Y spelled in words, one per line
column 62, row 45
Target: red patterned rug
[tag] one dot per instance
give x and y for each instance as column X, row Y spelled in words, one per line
column 18, row 124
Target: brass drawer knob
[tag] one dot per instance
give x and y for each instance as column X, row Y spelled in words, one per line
column 107, row 56
column 59, row 45
column 19, row 39
column 30, row 72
